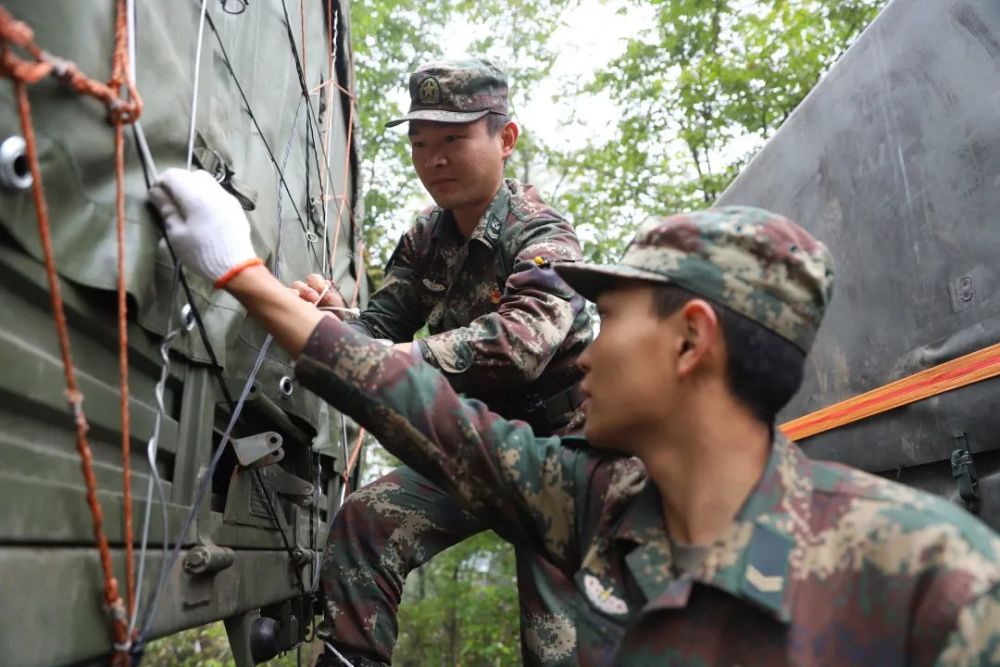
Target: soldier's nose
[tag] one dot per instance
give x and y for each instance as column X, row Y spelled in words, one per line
column 436, row 160
column 583, row 361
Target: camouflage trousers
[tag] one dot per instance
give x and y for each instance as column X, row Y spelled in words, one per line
column 397, row 523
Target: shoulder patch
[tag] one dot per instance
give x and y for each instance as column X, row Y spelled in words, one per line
column 767, row 568
column 432, row 286
column 493, row 228
column 603, row 598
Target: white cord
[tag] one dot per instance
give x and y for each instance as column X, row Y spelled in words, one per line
column 130, row 15
column 151, row 450
column 203, row 487
column 338, row 654
column 194, row 94
column 153, row 444
column 354, row 312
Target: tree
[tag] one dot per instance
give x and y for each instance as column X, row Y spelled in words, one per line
column 461, row 608
column 700, row 91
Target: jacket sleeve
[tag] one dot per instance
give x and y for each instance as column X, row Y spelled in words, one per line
column 513, row 345
column 394, row 311
column 525, row 488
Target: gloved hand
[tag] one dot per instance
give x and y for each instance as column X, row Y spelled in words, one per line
column 207, row 227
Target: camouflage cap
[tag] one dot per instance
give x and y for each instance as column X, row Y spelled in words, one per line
column 456, row 91
column 756, row 263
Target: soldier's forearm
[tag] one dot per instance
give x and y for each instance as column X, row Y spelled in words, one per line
column 413, row 411
column 287, row 317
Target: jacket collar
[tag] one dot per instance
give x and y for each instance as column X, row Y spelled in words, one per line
column 749, row 561
column 490, row 226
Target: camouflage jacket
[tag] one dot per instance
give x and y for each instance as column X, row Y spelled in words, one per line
column 823, row 565
column 498, row 315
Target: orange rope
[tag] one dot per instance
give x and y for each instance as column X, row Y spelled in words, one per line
column 341, row 198
column 15, row 33
column 119, row 74
column 968, row 369
column 352, row 460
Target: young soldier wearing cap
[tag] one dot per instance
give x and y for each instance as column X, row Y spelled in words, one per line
column 730, row 547
column 504, row 328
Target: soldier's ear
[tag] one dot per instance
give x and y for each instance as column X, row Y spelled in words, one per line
column 508, row 138
column 699, row 333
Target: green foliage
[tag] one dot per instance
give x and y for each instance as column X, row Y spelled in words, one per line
column 461, row 608
column 206, row 646
column 700, row 91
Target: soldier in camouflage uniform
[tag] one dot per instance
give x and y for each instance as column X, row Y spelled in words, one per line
column 729, row 546
column 504, row 328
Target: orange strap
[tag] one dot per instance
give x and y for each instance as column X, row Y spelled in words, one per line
column 236, row 270
column 971, row 368
column 121, row 111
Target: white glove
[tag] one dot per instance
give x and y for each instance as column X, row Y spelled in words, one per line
column 207, row 227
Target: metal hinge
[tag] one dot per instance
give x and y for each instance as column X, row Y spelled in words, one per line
column 963, row 469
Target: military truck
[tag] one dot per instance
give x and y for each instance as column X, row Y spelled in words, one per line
column 893, row 160
column 235, row 471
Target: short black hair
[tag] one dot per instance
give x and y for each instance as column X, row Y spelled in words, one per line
column 496, row 122
column 764, row 370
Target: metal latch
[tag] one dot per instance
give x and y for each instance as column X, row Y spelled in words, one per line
column 259, row 450
column 963, row 470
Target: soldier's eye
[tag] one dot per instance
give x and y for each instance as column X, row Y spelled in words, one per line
column 452, row 137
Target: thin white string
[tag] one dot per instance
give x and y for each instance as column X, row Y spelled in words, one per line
column 194, row 93
column 152, row 446
column 338, row 654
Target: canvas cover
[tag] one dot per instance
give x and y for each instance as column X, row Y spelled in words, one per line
column 75, row 145
column 893, row 160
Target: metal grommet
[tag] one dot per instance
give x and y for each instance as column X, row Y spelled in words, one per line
column 220, row 166
column 286, row 386
column 187, row 317
column 311, row 237
column 15, row 172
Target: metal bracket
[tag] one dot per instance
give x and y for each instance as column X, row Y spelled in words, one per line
column 294, row 488
column 259, row 450
column 963, row 470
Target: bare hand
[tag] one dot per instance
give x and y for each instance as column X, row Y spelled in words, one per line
column 316, row 285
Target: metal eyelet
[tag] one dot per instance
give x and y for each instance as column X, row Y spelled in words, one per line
column 286, row 386
column 15, row 172
column 187, row 317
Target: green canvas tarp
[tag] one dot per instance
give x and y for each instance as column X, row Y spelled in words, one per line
column 292, row 157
